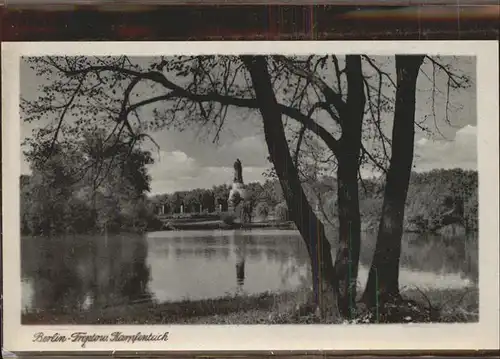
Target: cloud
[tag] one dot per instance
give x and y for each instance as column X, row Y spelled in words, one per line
column 176, row 171
column 460, row 152
column 251, row 150
column 175, row 164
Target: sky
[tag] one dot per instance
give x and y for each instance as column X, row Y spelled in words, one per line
column 189, row 159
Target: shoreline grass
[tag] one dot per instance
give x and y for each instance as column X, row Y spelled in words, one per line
column 214, row 224
column 218, row 224
column 291, row 307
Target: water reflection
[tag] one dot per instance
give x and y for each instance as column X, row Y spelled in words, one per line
column 92, row 272
column 241, row 253
column 432, row 253
column 56, row 282
column 76, row 273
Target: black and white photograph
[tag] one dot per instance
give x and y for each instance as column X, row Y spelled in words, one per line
column 250, row 189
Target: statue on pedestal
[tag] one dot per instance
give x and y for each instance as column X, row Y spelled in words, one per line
column 237, row 193
column 238, row 172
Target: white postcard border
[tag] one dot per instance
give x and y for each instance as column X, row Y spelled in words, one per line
column 482, row 335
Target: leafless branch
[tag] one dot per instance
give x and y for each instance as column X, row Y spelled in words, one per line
column 373, row 160
column 381, row 73
column 63, row 114
column 458, row 81
column 338, row 73
column 330, row 95
column 376, row 120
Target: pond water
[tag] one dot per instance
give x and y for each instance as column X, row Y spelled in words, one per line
column 74, row 272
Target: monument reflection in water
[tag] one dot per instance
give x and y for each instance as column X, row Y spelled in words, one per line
column 90, row 272
column 240, row 266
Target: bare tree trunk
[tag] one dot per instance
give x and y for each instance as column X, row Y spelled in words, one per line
column 300, row 211
column 383, row 279
column 349, row 241
column 347, row 259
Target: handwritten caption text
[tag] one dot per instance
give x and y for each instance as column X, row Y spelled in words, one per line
column 85, row 337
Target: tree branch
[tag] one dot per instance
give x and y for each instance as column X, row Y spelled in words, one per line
column 291, row 112
column 299, row 143
column 453, row 77
column 330, row 95
column 338, row 72
column 179, row 92
column 379, row 71
column 374, row 161
column 63, row 114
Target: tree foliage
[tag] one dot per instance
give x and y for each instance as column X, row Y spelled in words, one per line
column 262, row 210
column 281, row 212
column 61, row 195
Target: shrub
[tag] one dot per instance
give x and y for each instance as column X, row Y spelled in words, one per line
column 262, row 210
column 281, row 211
column 228, row 218
column 235, row 199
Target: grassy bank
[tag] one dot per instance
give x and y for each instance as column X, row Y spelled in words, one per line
column 203, row 224
column 461, row 305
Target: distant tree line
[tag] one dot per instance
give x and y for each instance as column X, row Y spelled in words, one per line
column 430, row 195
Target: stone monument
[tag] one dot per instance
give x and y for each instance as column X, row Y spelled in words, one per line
column 237, row 194
column 238, row 172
